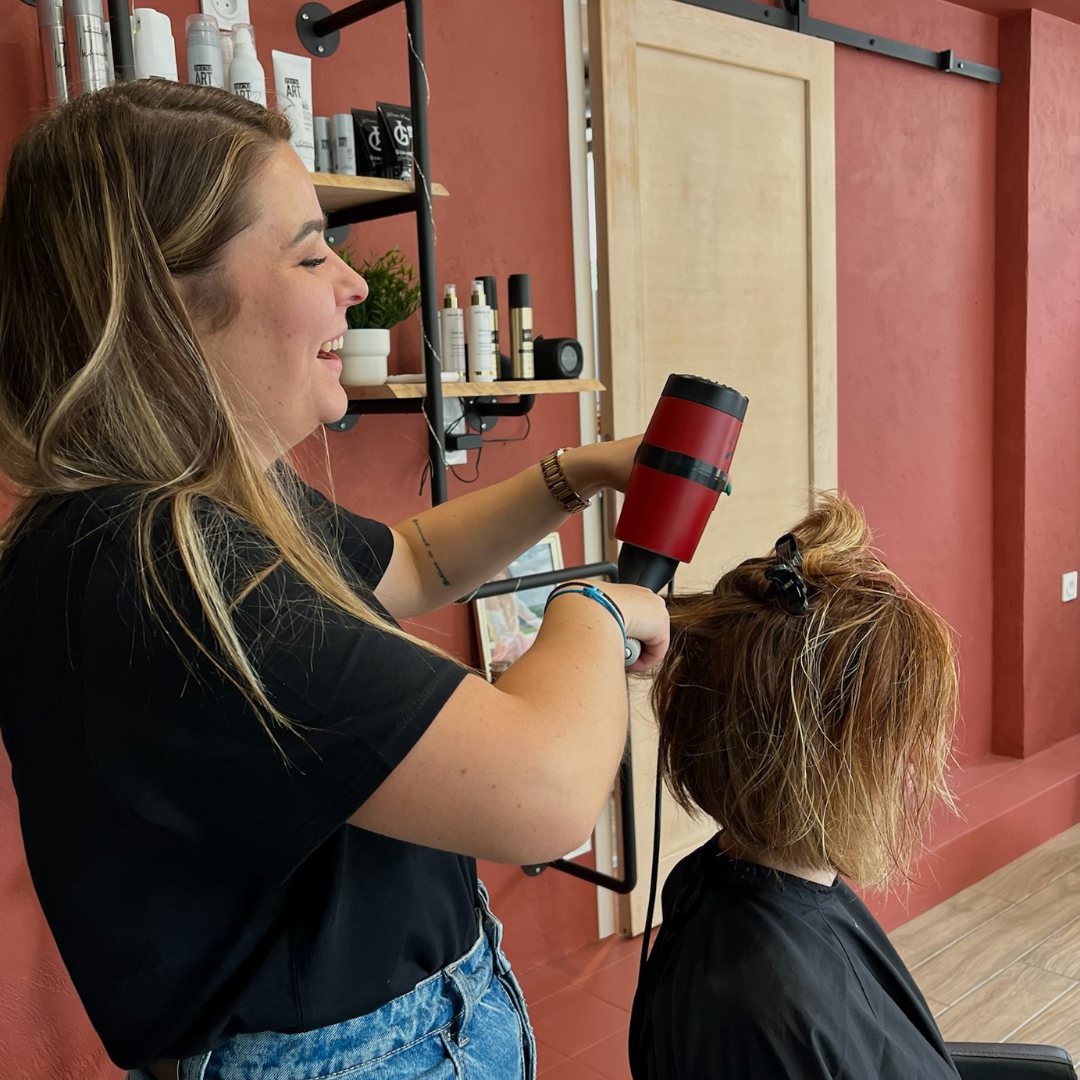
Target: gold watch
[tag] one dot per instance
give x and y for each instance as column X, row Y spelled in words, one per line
column 559, row 486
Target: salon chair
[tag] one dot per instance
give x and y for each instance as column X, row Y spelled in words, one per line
column 1011, row 1061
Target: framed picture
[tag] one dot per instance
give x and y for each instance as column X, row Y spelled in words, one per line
column 507, row 624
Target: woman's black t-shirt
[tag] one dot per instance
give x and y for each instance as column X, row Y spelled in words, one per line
column 760, row 974
column 199, row 880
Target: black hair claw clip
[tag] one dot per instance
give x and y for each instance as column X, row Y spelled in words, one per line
column 787, row 582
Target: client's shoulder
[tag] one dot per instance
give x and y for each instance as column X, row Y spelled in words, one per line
column 753, row 939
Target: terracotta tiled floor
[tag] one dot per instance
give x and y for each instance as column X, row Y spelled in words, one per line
column 580, row 1009
column 998, row 962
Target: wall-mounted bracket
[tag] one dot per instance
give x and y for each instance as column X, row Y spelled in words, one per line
column 324, row 44
column 795, row 16
column 484, row 407
column 346, row 423
column 373, row 211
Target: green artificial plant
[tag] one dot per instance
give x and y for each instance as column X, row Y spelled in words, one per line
column 393, row 291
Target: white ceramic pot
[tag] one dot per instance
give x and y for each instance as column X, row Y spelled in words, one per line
column 363, row 357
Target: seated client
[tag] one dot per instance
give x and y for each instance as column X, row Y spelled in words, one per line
column 807, row 706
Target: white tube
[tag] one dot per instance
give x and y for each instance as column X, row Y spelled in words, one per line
column 292, row 81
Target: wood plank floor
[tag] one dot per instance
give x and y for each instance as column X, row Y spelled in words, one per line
column 1000, row 962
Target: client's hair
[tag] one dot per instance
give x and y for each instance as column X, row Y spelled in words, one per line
column 819, row 738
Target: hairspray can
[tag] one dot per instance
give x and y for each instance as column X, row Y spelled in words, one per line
column 88, row 61
column 53, row 59
column 521, row 327
column 343, row 144
column 324, row 161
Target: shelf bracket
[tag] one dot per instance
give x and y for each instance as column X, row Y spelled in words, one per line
column 489, row 406
column 372, row 211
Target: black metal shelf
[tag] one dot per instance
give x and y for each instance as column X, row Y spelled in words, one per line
column 319, row 31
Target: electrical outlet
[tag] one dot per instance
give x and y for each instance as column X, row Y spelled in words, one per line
column 454, row 424
column 1068, row 586
column 227, row 12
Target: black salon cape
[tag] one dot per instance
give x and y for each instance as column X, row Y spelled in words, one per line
column 757, row 975
column 197, row 885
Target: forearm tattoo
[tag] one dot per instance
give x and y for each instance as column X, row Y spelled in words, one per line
column 427, row 547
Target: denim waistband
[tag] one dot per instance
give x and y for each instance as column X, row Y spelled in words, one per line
column 445, row 1000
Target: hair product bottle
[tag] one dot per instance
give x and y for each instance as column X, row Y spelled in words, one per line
column 343, row 144
column 452, row 331
column 491, row 294
column 481, row 358
column 292, row 84
column 110, row 62
column 521, row 327
column 228, row 51
column 204, row 60
column 324, row 161
column 155, row 47
column 246, row 76
column 88, row 60
column 53, row 60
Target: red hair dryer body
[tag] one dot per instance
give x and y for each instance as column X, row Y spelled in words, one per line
column 680, row 470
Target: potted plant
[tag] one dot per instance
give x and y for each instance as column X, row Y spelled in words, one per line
column 393, row 295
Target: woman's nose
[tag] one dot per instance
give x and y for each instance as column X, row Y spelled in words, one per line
column 356, row 288
column 360, row 291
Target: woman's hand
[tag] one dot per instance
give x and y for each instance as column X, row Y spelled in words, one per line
column 646, row 617
column 596, row 466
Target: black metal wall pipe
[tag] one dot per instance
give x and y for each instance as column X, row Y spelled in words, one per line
column 123, row 51
column 349, row 15
column 425, row 235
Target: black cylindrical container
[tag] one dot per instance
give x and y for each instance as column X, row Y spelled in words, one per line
column 558, row 358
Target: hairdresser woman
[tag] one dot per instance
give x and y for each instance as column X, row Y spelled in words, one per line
column 250, row 802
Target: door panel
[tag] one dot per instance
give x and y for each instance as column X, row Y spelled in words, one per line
column 713, row 139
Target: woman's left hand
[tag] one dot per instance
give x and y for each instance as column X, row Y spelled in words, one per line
column 596, row 466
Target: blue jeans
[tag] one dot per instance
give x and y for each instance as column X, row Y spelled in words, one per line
column 468, row 1020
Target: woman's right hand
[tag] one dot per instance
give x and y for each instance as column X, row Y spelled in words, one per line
column 647, row 620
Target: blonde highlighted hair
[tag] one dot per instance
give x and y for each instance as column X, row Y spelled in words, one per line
column 115, row 215
column 820, row 740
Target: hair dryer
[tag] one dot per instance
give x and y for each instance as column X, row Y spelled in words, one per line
column 679, row 471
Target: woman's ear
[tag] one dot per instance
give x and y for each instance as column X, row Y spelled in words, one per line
column 210, row 300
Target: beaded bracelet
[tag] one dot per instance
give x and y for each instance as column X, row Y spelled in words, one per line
column 593, row 593
column 589, row 585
